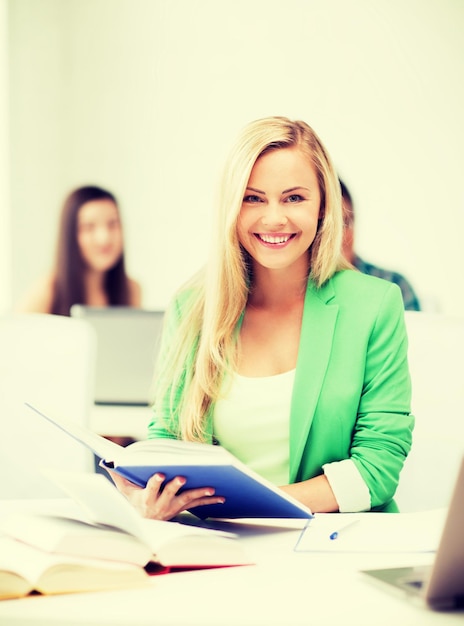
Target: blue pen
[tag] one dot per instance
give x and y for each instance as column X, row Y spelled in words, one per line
column 335, row 533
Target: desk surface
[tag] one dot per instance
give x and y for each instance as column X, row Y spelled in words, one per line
column 284, row 588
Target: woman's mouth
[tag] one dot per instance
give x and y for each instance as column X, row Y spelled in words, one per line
column 274, row 240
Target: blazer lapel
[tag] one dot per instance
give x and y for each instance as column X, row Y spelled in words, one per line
column 317, row 332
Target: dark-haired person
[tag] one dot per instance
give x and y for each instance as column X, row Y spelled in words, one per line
column 89, row 263
column 410, row 299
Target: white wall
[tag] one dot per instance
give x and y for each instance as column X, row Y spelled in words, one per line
column 145, row 96
column 5, row 238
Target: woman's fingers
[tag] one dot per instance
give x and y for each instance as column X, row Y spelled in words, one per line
column 170, row 502
column 197, row 497
column 162, row 500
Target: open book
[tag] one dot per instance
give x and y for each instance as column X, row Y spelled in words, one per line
column 203, row 465
column 105, row 526
column 25, row 569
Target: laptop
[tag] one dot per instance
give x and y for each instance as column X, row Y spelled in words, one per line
column 127, row 346
column 440, row 585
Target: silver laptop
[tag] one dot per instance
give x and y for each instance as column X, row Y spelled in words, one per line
column 127, row 347
column 441, row 585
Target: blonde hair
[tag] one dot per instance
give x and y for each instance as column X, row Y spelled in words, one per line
column 204, row 348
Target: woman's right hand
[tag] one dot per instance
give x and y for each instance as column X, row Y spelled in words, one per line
column 161, row 500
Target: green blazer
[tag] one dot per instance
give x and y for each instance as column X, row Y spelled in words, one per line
column 352, row 390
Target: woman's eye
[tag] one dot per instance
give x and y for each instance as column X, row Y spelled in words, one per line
column 295, row 197
column 251, row 199
column 86, row 228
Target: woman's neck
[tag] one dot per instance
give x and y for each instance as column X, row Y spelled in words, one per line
column 95, row 292
column 276, row 289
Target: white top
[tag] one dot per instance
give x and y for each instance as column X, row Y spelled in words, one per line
column 252, row 422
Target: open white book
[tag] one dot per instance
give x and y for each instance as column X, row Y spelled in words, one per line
column 107, row 527
column 25, row 569
column 203, row 465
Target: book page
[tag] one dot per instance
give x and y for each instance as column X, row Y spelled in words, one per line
column 167, row 451
column 105, row 505
column 174, row 451
column 103, row 448
column 100, row 500
column 53, row 573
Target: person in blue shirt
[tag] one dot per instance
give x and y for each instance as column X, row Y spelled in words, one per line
column 411, row 301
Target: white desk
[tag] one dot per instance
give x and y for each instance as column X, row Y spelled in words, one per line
column 120, row 421
column 285, row 588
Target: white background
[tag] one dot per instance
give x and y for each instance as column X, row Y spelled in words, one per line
column 145, row 97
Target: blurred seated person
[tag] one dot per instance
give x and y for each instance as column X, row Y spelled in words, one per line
column 411, row 301
column 89, row 264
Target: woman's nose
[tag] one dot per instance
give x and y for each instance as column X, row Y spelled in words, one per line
column 274, row 215
column 102, row 234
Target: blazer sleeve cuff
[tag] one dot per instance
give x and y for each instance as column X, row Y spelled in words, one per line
column 348, row 486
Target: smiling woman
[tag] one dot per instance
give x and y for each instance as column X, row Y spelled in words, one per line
column 279, row 350
column 89, row 265
column 280, row 210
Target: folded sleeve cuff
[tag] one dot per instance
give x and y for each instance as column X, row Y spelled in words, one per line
column 348, row 486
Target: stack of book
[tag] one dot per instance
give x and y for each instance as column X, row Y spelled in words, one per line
column 104, row 544
column 108, row 544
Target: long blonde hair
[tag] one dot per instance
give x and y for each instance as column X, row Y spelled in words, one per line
column 204, row 348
